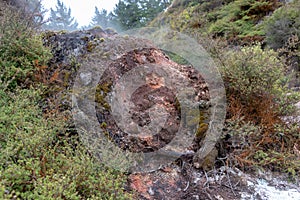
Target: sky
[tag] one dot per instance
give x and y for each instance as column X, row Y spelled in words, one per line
column 82, row 10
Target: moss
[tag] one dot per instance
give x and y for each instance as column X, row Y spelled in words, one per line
column 209, row 161
column 103, row 125
column 104, row 88
column 100, row 99
column 101, row 92
column 90, row 46
column 66, row 78
column 203, row 127
column 177, row 105
column 200, row 120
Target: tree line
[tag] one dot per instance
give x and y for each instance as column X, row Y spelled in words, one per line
column 127, row 14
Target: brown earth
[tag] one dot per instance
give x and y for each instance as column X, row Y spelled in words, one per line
column 153, row 92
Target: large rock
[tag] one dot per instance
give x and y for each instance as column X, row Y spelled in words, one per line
column 155, row 114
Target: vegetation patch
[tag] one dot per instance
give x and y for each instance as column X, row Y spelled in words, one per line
column 240, row 19
column 258, row 95
column 40, row 157
column 283, row 24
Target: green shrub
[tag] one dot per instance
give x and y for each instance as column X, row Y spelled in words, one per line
column 37, row 161
column 258, row 95
column 257, row 85
column 283, row 33
column 239, row 19
column 283, row 24
column 252, row 72
column 39, row 158
column 190, row 16
column 21, row 49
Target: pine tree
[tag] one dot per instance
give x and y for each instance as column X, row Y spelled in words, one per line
column 101, row 18
column 128, row 14
column 151, row 8
column 138, row 13
column 61, row 19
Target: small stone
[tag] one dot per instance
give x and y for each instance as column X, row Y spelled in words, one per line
column 150, row 191
column 207, row 163
column 297, row 105
column 86, row 78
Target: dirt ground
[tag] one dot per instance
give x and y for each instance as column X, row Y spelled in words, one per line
column 182, row 181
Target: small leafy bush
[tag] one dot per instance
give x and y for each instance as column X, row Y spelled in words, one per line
column 252, row 72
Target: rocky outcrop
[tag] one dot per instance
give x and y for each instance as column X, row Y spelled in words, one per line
column 134, row 99
column 71, row 50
